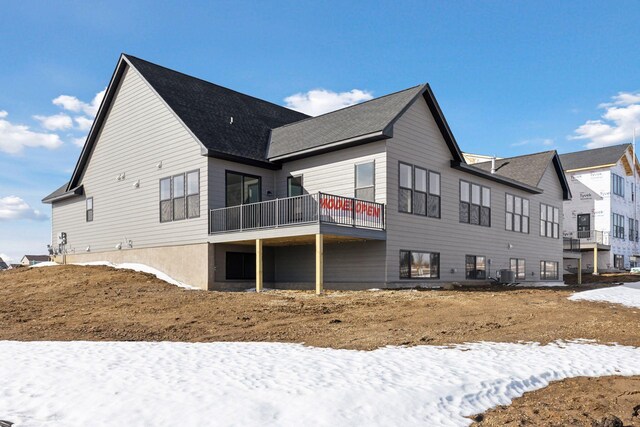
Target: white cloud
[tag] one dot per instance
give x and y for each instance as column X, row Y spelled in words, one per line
column 545, row 142
column 6, row 258
column 622, row 99
column 14, row 138
column 616, row 125
column 56, row 122
column 79, row 141
column 13, row 208
column 320, row 101
column 84, row 123
column 73, row 104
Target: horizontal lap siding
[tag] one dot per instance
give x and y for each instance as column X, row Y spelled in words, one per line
column 217, row 179
column 418, row 141
column 138, row 134
column 334, row 172
column 354, row 262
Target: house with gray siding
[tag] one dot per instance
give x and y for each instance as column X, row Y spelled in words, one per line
column 222, row 190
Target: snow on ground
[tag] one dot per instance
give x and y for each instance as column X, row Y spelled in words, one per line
column 541, row 285
column 128, row 266
column 275, row 384
column 627, row 294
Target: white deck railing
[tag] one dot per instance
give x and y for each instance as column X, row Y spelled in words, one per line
column 298, row 210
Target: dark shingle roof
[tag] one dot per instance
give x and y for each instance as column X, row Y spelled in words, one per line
column 3, row 265
column 594, row 157
column 206, row 109
column 361, row 119
column 527, row 169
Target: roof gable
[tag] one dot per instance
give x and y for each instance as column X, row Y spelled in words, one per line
column 226, row 122
column 528, row 169
column 368, row 121
column 597, row 157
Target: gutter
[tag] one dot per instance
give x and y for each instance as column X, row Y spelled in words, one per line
column 78, row 191
column 336, row 145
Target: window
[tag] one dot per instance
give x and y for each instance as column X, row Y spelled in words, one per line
column 475, row 267
column 548, row 270
column 242, row 189
column 89, row 205
column 631, row 230
column 179, row 200
column 633, row 192
column 549, row 221
column 165, row 200
column 405, row 202
column 617, row 183
column 294, row 186
column 419, row 265
column 180, row 197
column 240, row 266
column 517, row 265
column 517, row 214
column 618, row 226
column 193, row 194
column 475, row 204
column 618, row 262
column 419, row 191
column 365, row 182
column 433, row 199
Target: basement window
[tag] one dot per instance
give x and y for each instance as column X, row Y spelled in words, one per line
column 240, row 266
column 517, row 265
column 419, row 265
column 476, row 267
column 89, row 210
column 548, row 270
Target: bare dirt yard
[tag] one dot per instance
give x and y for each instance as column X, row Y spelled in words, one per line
column 101, row 303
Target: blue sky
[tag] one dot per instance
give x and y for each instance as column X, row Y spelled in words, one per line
column 511, row 77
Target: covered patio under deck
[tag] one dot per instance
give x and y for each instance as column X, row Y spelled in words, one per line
column 310, row 219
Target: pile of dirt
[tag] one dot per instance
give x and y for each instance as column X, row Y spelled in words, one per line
column 572, row 402
column 102, row 303
column 605, row 278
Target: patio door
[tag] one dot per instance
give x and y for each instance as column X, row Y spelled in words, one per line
column 584, row 226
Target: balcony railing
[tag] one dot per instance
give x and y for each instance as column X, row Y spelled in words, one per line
column 570, row 244
column 298, row 210
column 591, row 236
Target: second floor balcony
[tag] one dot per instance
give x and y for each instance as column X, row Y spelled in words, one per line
column 588, row 239
column 307, row 209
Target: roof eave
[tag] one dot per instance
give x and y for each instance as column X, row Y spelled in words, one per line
column 336, row 145
column 239, row 159
column 494, row 177
column 566, row 190
column 77, row 191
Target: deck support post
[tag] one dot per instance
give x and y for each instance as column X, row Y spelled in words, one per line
column 595, row 259
column 259, row 264
column 319, row 264
column 580, row 270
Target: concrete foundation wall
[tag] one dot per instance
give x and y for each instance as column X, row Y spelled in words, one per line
column 187, row 263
